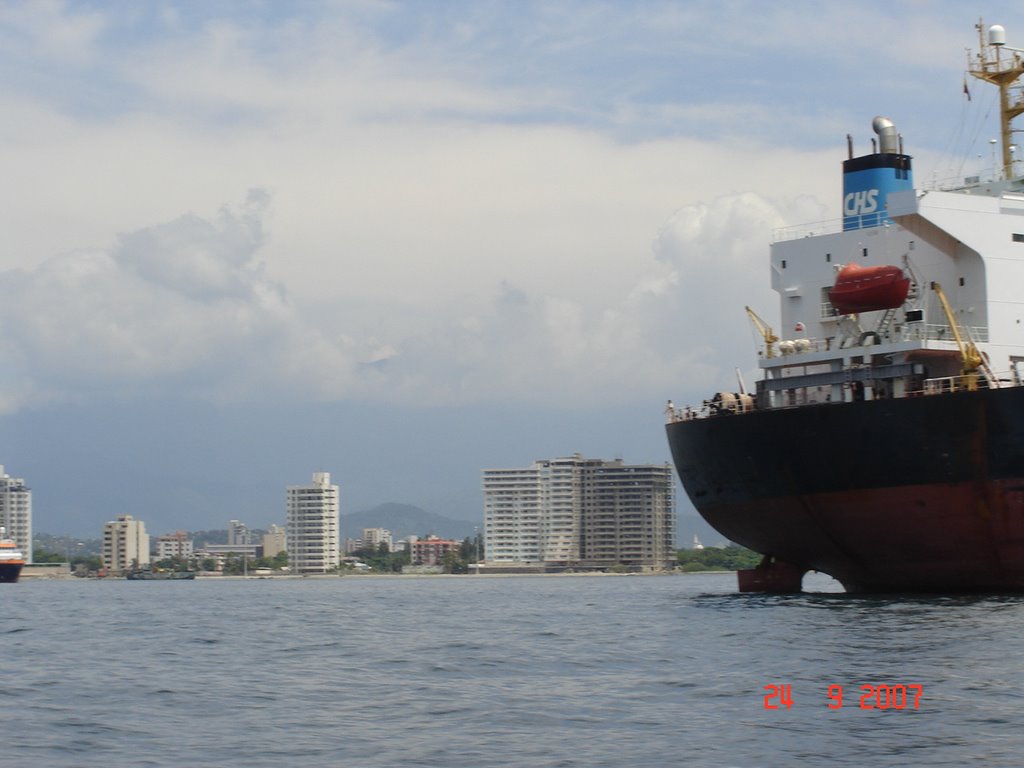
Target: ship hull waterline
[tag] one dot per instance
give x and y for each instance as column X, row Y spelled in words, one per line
column 919, row 494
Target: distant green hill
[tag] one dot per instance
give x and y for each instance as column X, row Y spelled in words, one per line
column 406, row 520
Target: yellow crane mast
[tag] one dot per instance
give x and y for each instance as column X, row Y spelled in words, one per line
column 766, row 332
column 970, row 357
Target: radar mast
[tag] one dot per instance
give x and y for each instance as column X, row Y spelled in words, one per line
column 1001, row 69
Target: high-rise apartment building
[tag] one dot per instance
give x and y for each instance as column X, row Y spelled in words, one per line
column 513, row 508
column 312, row 526
column 628, row 515
column 576, row 512
column 16, row 511
column 125, row 545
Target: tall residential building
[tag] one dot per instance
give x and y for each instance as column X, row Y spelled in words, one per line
column 628, row 516
column 576, row 512
column 16, row 511
column 312, row 526
column 125, row 544
column 512, row 514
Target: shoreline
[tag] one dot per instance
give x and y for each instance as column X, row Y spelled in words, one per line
column 328, row 576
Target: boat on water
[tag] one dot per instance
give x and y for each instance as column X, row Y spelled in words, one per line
column 884, row 445
column 11, row 559
column 150, row 575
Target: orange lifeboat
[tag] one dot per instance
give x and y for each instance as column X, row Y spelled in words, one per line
column 865, row 289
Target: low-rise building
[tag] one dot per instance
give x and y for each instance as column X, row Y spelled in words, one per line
column 177, row 544
column 238, row 533
column 374, row 537
column 431, row 550
column 274, row 541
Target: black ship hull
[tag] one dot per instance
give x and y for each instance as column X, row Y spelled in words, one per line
column 919, row 494
column 9, row 572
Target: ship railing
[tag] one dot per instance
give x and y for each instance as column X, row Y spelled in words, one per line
column 967, row 382
column 946, row 384
column 941, row 332
column 830, row 226
column 987, row 179
column 812, row 229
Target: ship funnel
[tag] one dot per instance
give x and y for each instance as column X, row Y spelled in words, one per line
column 868, row 180
column 888, row 139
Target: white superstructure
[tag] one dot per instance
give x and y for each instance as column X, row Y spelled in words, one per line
column 962, row 244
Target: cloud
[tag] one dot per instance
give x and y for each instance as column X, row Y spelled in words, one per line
column 182, row 307
column 461, row 211
column 196, row 258
column 678, row 329
column 187, row 307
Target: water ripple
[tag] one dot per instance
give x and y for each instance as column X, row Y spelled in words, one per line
column 494, row 673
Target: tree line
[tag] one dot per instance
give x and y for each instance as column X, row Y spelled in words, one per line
column 381, row 559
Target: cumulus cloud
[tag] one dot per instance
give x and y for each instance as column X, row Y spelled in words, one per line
column 186, row 306
column 197, row 258
column 442, row 232
column 182, row 306
column 678, row 329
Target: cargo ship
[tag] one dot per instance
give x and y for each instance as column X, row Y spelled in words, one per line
column 11, row 559
column 884, row 443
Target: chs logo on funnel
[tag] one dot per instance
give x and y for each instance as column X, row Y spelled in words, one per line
column 859, row 203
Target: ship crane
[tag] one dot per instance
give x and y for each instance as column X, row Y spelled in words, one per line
column 766, row 332
column 970, row 356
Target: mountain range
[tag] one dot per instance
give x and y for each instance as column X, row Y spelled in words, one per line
column 406, row 520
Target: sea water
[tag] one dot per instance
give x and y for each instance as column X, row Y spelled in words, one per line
column 581, row 671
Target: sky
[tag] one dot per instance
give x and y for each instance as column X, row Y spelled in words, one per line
column 405, row 241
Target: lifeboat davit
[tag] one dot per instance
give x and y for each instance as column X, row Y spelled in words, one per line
column 865, row 289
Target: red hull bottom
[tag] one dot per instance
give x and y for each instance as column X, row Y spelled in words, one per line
column 956, row 537
column 772, row 576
